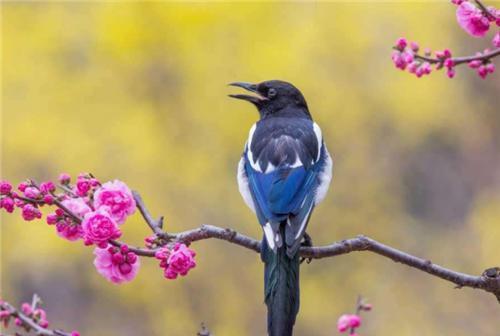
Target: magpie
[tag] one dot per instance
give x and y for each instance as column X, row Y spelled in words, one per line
column 284, row 172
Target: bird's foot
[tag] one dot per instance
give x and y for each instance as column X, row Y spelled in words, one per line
column 307, row 242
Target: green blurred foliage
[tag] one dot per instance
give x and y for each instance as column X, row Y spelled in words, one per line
column 137, row 91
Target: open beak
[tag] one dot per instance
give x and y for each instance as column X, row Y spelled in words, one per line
column 256, row 99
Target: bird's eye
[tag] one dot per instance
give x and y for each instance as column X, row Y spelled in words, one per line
column 271, row 93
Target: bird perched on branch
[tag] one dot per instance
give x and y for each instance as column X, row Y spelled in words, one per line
column 284, row 172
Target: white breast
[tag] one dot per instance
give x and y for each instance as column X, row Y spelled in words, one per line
column 325, row 177
column 243, row 185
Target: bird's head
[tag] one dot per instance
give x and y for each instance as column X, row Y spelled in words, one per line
column 272, row 97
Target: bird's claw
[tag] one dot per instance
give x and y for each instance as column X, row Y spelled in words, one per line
column 307, row 243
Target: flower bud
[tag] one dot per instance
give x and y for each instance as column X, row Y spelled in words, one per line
column 52, row 219
column 22, row 186
column 125, row 268
column 5, row 187
column 49, row 199
column 64, row 178
column 117, row 258
column 32, row 192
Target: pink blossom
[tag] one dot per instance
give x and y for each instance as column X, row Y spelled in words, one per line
column 22, row 186
column 414, row 46
column 29, row 212
column 485, row 69
column 77, row 206
column 64, row 178
column 423, row 69
column 472, row 19
column 401, row 43
column 47, row 187
column 117, row 199
column 343, row 323
column 355, row 321
column 116, row 265
column 40, row 313
column 180, row 261
column 490, row 67
column 82, row 186
column 32, row 192
column 412, row 68
column 75, row 333
column 8, row 204
column 26, row 308
column 52, row 219
column 348, row 321
column 49, row 199
column 402, row 59
column 450, row 72
column 449, row 63
column 68, row 229
column 457, row 2
column 446, row 53
column 475, row 64
column 5, row 187
column 398, row 60
column 98, row 227
column 496, row 40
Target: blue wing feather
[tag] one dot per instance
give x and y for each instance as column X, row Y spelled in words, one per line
column 282, row 192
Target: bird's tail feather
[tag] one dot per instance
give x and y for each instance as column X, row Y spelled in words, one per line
column 281, row 287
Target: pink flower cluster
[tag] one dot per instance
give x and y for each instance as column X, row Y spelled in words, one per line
column 93, row 212
column 116, row 264
column 176, row 261
column 483, row 68
column 37, row 315
column 350, row 322
column 474, row 20
column 407, row 58
column 30, row 311
column 404, row 58
column 99, row 208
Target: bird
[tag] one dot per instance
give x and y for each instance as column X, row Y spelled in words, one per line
column 284, row 172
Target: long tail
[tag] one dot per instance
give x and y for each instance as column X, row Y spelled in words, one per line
column 281, row 287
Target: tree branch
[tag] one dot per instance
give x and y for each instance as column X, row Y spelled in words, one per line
column 463, row 59
column 29, row 322
column 155, row 225
column 489, row 281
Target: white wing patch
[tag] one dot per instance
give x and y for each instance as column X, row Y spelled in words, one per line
column 255, row 165
column 243, row 185
column 325, row 177
column 319, row 138
column 268, row 232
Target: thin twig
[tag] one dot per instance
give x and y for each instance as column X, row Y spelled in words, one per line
column 463, row 59
column 155, row 225
column 485, row 10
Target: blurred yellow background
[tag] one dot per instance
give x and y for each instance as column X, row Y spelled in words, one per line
column 137, row 91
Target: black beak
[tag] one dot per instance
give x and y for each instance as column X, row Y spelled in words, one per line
column 257, row 99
